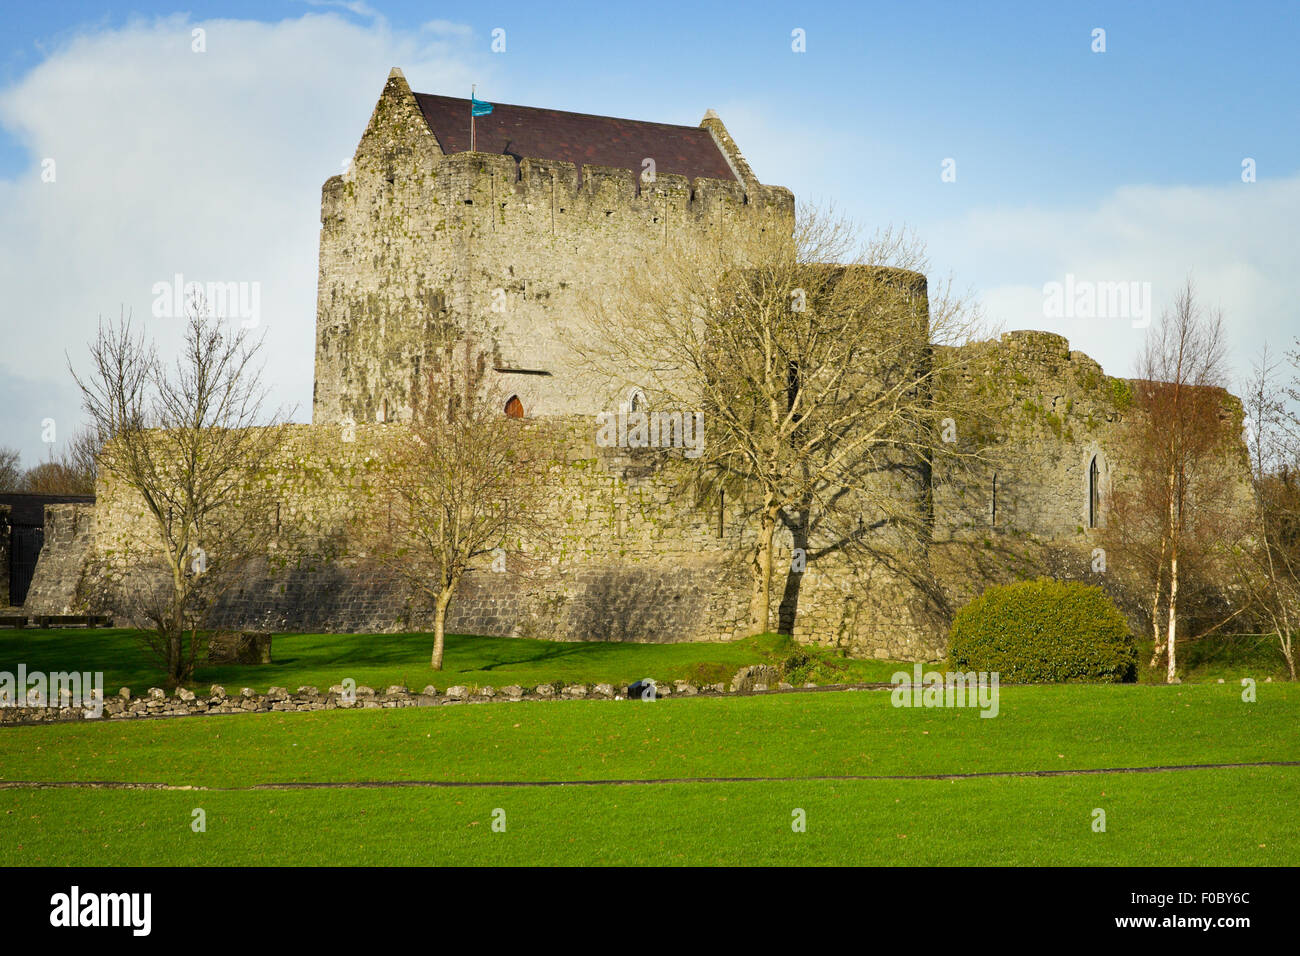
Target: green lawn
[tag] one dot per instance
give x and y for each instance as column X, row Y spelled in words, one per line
column 785, row 735
column 1236, row 818
column 1223, row 816
column 379, row 660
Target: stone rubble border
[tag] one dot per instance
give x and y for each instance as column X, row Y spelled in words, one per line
column 755, row 679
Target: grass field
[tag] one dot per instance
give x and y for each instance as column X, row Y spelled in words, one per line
column 1224, row 816
column 379, row 660
column 1231, row 818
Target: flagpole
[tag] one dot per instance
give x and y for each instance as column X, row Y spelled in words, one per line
column 472, row 88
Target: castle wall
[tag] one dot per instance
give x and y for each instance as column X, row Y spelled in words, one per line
column 58, row 584
column 626, row 557
column 623, row 558
column 414, row 241
column 1051, row 412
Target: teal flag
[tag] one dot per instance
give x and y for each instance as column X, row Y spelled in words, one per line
column 478, row 107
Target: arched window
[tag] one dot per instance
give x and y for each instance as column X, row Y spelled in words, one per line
column 514, row 407
column 636, row 401
column 1094, row 493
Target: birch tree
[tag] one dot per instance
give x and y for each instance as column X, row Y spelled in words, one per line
column 1269, row 566
column 1180, row 449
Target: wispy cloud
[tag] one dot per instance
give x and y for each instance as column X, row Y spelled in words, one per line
column 447, row 28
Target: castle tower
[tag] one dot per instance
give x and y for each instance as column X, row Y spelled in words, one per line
column 421, row 235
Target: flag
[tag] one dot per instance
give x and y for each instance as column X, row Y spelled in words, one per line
column 478, row 107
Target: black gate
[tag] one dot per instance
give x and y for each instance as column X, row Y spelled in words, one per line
column 25, row 544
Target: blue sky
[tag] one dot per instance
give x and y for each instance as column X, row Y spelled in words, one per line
column 1122, row 165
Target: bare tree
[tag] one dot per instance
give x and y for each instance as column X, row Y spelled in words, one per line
column 11, row 472
column 188, row 440
column 1177, row 503
column 811, row 361
column 1269, row 561
column 55, row 477
column 461, row 485
column 71, row 472
column 81, row 458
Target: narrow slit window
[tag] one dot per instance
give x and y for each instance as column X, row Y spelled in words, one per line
column 1094, row 493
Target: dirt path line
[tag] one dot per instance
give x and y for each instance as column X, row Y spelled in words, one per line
column 655, row 781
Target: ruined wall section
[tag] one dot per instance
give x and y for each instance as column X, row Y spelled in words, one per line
column 60, row 583
column 413, row 241
column 1050, row 412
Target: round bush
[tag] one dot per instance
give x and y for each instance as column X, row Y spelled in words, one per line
column 1044, row 632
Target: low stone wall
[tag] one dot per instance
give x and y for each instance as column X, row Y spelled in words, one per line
column 185, row 703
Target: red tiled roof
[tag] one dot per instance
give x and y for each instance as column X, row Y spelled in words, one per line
column 578, row 138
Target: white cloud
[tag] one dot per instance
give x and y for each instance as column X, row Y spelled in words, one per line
column 359, row 7
column 1236, row 242
column 447, row 28
column 207, row 164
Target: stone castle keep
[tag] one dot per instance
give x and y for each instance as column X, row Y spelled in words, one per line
column 421, row 234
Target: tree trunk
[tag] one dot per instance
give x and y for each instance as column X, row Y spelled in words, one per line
column 174, row 658
column 440, row 624
column 1157, row 645
column 1171, row 676
column 761, row 603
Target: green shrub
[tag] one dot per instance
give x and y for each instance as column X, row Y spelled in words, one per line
column 1042, row 632
column 798, row 668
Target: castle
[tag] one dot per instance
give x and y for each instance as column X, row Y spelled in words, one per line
column 421, row 233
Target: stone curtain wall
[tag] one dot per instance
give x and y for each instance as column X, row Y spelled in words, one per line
column 413, row 241
column 626, row 557
column 59, row 584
